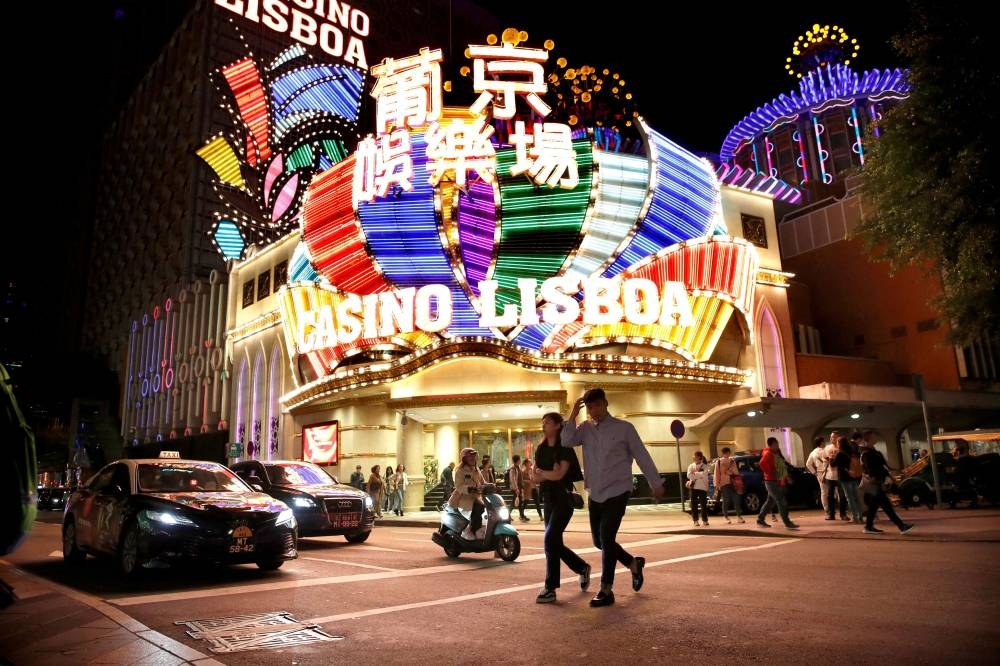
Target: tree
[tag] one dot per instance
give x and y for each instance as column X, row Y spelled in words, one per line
column 930, row 189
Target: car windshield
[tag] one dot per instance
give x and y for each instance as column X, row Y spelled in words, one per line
column 299, row 474
column 188, row 477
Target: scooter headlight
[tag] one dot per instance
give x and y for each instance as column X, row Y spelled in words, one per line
column 504, row 513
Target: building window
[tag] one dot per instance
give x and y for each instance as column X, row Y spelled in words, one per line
column 263, row 285
column 281, row 274
column 753, row 229
column 248, row 293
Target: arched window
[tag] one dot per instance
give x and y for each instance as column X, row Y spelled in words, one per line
column 770, row 355
column 242, row 404
column 273, row 417
column 258, row 406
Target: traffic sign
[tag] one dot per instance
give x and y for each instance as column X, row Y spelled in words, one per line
column 677, row 428
column 236, row 449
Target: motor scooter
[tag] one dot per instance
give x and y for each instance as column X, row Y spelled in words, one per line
column 500, row 536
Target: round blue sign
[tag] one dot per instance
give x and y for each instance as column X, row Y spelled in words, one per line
column 677, row 428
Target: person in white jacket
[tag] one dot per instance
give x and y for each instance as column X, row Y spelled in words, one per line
column 698, row 483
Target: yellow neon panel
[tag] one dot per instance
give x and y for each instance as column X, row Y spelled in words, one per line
column 219, row 155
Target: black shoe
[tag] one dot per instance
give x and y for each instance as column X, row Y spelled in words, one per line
column 585, row 578
column 546, row 597
column 872, row 530
column 638, row 563
column 762, row 523
column 905, row 528
column 603, row 598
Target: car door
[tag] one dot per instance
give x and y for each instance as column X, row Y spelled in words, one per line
column 110, row 505
column 85, row 508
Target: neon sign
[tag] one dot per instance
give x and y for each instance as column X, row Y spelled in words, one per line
column 638, row 301
column 311, row 22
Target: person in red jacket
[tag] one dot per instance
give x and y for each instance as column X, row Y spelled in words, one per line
column 775, row 471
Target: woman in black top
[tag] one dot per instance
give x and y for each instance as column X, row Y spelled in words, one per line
column 556, row 467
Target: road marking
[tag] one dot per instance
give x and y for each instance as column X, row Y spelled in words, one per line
column 466, row 565
column 534, row 586
column 350, row 547
column 417, row 541
column 351, row 564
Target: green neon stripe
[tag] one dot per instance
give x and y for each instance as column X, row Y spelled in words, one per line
column 334, row 149
column 300, row 158
column 540, row 226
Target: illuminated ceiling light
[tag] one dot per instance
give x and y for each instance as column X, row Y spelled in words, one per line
column 751, row 413
column 855, row 415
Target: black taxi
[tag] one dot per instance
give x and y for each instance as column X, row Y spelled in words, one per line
column 322, row 505
column 151, row 512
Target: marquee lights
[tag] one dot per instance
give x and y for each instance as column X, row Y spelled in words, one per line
column 815, row 88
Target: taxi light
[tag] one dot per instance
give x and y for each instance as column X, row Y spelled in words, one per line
column 286, row 517
column 170, row 454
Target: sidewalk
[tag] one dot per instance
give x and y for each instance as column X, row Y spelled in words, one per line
column 51, row 623
column 967, row 525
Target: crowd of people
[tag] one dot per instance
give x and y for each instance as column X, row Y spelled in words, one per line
column 387, row 491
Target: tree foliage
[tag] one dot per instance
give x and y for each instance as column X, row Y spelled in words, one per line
column 930, row 190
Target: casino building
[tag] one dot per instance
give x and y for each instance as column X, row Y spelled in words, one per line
column 391, row 297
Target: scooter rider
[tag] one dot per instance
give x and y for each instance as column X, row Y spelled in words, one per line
column 467, row 494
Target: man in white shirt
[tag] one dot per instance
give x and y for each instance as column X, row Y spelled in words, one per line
column 609, row 447
column 817, row 464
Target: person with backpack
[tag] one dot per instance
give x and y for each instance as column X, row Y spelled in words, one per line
column 849, row 473
column 725, row 470
column 775, row 472
column 877, row 481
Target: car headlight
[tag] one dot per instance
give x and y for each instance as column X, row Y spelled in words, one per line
column 286, row 517
column 368, row 502
column 504, row 513
column 169, row 518
column 304, row 502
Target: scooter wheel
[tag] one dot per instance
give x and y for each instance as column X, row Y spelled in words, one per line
column 508, row 548
column 451, row 551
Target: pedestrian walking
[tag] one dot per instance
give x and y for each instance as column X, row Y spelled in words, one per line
column 515, row 481
column 610, row 445
column 876, row 479
column 401, row 482
column 817, row 464
column 376, row 487
column 530, row 487
column 775, row 472
column 556, row 468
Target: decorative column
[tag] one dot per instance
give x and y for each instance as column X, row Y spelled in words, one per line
column 410, row 450
column 446, row 445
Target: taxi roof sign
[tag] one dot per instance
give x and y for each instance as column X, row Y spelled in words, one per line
column 170, row 454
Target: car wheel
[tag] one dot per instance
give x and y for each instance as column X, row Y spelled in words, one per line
column 508, row 548
column 128, row 552
column 270, row 565
column 358, row 538
column 752, row 503
column 71, row 552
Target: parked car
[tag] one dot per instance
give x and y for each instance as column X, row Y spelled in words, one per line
column 52, row 498
column 152, row 512
column 801, row 493
column 916, row 484
column 322, row 505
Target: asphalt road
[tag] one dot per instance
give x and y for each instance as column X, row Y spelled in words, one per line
column 706, row 600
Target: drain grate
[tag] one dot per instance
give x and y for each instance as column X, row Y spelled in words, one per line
column 261, row 631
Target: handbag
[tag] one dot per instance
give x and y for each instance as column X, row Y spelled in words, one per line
column 689, row 483
column 575, row 499
column 737, row 480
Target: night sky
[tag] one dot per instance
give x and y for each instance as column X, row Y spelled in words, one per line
column 693, row 78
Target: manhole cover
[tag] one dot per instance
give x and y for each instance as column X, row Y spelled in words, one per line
column 262, row 631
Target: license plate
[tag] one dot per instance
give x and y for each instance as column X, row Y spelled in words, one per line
column 345, row 520
column 242, row 540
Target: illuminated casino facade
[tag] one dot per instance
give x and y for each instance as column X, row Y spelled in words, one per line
column 445, row 289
